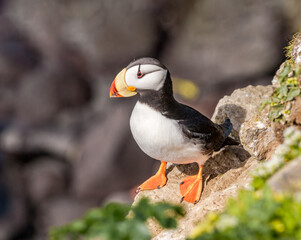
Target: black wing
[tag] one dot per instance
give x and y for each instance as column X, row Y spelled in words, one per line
column 200, row 129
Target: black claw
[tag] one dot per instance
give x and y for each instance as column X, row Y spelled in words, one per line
column 158, row 186
column 182, row 199
column 195, row 202
column 138, row 190
column 181, row 182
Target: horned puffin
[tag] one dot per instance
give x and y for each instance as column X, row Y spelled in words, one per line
column 165, row 129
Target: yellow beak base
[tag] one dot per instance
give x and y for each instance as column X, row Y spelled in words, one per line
column 119, row 88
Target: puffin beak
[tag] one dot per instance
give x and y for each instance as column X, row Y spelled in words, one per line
column 119, row 88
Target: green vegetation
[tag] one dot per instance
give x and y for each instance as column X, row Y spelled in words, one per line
column 289, row 88
column 119, row 222
column 254, row 215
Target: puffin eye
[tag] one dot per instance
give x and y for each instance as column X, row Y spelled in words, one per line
column 140, row 74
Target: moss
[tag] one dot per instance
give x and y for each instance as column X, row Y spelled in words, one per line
column 289, row 87
column 289, row 49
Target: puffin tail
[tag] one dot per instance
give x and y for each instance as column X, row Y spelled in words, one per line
column 227, row 127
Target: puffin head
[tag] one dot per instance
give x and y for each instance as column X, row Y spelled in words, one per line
column 144, row 74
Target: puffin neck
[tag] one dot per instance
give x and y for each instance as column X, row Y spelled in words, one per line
column 161, row 100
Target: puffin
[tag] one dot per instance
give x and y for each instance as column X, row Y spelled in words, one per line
column 165, row 129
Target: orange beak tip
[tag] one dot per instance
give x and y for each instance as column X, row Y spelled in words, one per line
column 113, row 90
column 119, row 87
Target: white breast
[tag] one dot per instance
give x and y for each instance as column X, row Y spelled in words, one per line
column 161, row 138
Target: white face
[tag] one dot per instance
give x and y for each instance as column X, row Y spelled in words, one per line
column 150, row 77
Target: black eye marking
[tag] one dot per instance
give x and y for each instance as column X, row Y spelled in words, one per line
column 139, row 73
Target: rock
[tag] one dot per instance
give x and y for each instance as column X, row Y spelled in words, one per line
column 45, row 178
column 287, row 179
column 170, row 235
column 218, row 42
column 16, row 220
column 223, row 175
column 17, row 53
column 95, row 28
column 18, row 56
column 241, row 106
column 258, row 137
column 53, row 88
column 295, row 116
column 14, row 140
column 14, row 209
column 252, row 127
column 275, row 81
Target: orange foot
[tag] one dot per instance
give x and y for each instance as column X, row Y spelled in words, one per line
column 157, row 181
column 191, row 188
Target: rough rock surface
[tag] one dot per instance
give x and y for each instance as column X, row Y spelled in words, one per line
column 241, row 106
column 20, row 141
column 251, row 127
column 258, row 136
column 223, row 175
column 287, row 179
column 295, row 116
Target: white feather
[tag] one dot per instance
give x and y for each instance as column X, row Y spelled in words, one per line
column 153, row 79
column 161, row 138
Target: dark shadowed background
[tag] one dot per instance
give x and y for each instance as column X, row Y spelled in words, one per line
column 65, row 146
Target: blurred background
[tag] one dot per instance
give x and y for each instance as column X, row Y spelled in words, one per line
column 65, row 146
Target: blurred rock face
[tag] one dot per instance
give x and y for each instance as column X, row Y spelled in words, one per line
column 71, row 143
column 57, row 88
column 44, row 178
column 205, row 49
column 107, row 32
